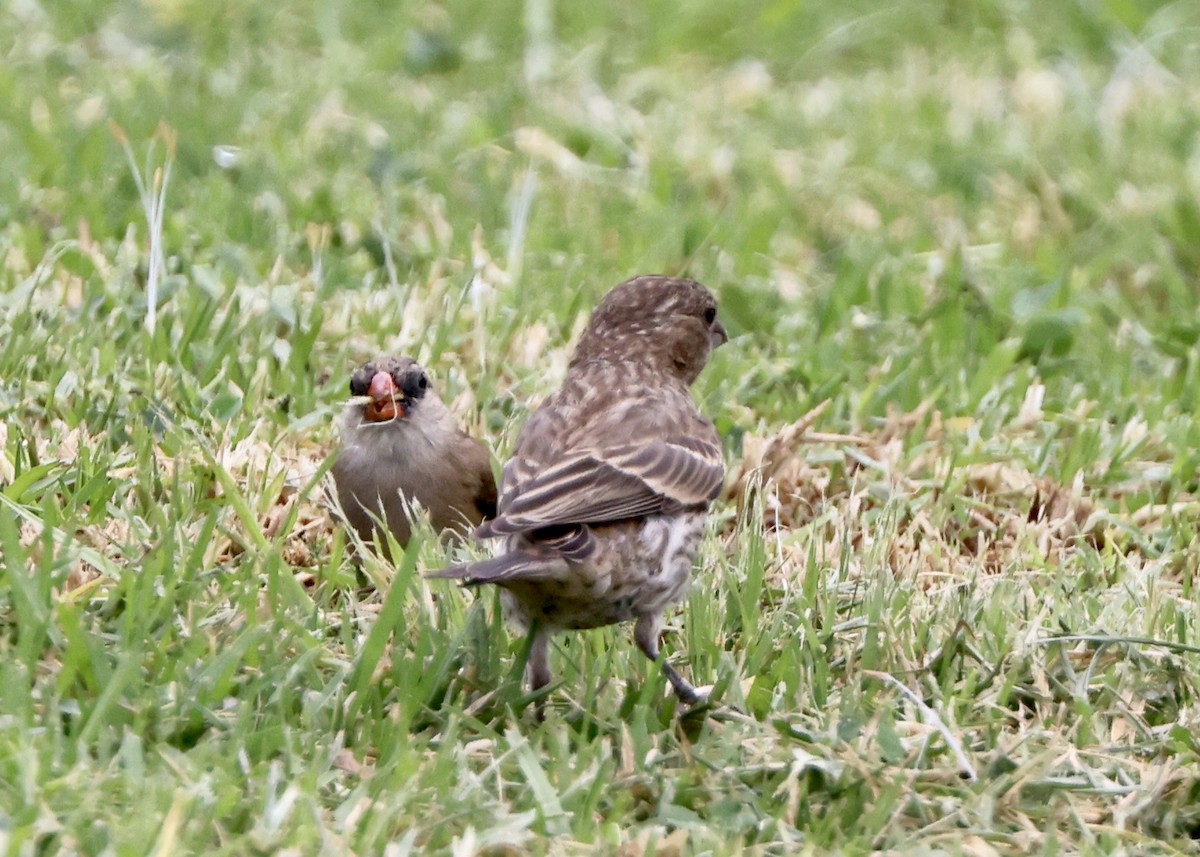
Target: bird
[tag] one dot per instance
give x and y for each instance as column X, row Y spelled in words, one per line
column 604, row 499
column 400, row 447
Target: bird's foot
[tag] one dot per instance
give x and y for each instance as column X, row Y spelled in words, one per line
column 686, row 694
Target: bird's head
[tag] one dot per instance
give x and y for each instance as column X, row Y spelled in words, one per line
column 666, row 322
column 388, row 389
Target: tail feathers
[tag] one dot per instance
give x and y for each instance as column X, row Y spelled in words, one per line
column 454, row 572
column 543, row 555
column 513, row 566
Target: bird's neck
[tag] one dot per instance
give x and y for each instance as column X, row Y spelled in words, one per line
column 631, row 369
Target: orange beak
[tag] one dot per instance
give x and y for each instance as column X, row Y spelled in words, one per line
column 386, row 400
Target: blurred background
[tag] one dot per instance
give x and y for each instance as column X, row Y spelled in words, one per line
column 962, row 236
column 855, row 179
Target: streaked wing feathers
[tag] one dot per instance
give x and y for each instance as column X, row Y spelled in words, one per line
column 612, row 484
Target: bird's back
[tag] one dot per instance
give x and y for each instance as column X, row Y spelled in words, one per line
column 586, row 415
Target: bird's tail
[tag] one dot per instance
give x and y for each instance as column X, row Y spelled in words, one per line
column 511, row 566
column 546, row 558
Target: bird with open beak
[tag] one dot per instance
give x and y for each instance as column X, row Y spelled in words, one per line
column 400, row 448
column 603, row 503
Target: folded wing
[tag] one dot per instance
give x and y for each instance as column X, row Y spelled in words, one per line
column 595, row 486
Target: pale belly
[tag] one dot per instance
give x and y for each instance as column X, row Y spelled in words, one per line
column 642, row 567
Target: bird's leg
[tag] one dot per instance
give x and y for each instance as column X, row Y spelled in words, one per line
column 645, row 634
column 539, row 659
column 538, row 666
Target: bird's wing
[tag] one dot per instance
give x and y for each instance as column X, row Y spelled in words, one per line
column 609, row 484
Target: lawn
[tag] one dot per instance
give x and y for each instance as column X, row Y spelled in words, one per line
column 948, row 601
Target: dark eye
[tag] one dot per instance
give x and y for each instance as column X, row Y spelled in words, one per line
column 710, row 315
column 423, row 381
column 359, row 382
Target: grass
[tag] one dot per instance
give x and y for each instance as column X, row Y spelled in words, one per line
column 949, row 600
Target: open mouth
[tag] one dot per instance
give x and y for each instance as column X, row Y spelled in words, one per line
column 387, row 401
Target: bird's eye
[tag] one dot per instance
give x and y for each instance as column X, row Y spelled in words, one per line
column 423, row 381
column 710, row 315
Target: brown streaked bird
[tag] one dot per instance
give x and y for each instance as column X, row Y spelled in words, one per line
column 603, row 503
column 400, row 446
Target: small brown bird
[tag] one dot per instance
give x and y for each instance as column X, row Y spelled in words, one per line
column 604, row 500
column 400, row 446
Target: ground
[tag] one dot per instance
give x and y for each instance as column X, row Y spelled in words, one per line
column 947, row 603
